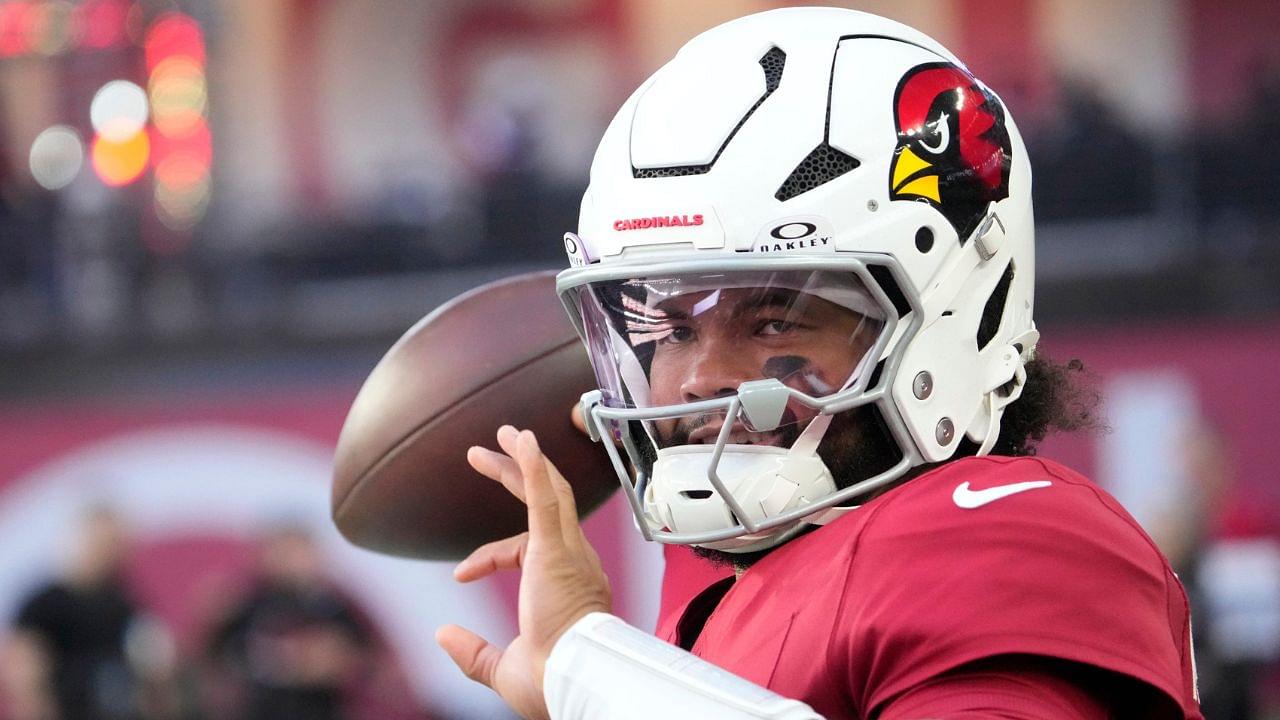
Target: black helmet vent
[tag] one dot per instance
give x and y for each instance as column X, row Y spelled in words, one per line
column 884, row 277
column 993, row 311
column 821, row 166
column 674, row 171
column 772, row 64
column 824, row 163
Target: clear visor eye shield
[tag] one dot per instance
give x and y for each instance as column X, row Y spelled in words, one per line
column 719, row 379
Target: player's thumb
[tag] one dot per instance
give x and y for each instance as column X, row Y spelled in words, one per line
column 575, row 416
column 474, row 656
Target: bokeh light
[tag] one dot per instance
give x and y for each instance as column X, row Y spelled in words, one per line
column 174, row 35
column 178, row 95
column 176, row 87
column 182, row 190
column 52, row 27
column 182, row 184
column 56, row 157
column 136, row 23
column 198, row 143
column 103, row 23
column 120, row 163
column 15, row 28
column 119, row 110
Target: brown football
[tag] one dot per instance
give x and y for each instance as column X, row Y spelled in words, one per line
column 504, row 353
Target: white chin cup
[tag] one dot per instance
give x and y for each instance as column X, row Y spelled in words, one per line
column 765, row 481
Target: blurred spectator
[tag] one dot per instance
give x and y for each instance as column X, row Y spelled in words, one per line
column 293, row 646
column 1235, row 161
column 1238, row 642
column 71, row 654
column 1201, row 487
column 1175, row 471
column 1234, row 586
column 25, row 679
column 1089, row 163
column 522, row 203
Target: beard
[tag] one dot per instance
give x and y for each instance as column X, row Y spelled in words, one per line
column 857, row 446
column 785, row 435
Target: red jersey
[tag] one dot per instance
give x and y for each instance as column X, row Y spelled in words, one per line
column 978, row 558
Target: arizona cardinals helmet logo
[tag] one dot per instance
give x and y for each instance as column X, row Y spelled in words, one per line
column 953, row 148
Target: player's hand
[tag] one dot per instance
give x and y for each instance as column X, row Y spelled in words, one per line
column 561, row 582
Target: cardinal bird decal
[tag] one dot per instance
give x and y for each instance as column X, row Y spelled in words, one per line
column 953, row 148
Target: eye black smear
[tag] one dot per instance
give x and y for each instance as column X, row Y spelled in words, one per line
column 783, row 366
column 798, row 374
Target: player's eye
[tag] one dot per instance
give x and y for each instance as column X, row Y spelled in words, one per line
column 937, row 135
column 678, row 335
column 775, row 327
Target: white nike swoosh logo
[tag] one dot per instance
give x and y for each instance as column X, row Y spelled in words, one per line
column 970, row 499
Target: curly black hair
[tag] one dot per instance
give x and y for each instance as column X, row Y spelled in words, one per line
column 1055, row 397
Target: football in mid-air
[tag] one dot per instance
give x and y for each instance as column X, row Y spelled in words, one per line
column 504, row 353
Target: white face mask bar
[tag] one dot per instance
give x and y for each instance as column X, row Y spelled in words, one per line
column 744, row 477
column 602, row 416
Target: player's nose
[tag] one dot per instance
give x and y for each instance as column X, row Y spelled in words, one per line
column 716, row 370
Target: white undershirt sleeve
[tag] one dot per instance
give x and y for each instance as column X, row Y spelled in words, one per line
column 605, row 668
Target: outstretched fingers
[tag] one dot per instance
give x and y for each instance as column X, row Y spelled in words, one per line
column 504, row 554
column 526, row 473
column 540, row 497
column 508, row 439
column 496, row 466
column 557, row 510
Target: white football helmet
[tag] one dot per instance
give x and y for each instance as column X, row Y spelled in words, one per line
column 802, row 217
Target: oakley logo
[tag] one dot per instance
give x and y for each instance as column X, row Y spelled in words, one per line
column 793, row 231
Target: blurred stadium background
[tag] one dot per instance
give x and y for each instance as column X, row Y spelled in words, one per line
column 216, row 215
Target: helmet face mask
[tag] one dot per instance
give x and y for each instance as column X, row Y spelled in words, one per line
column 780, row 345
column 790, row 225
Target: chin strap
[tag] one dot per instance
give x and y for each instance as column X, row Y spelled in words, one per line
column 811, row 437
column 805, row 446
column 996, row 403
column 993, row 423
column 808, row 443
column 830, row 515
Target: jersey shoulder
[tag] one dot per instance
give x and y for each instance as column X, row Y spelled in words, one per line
column 991, row 556
column 973, row 494
column 993, row 520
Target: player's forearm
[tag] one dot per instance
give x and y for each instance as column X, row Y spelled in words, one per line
column 603, row 667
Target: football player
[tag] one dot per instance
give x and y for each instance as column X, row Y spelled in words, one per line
column 804, row 273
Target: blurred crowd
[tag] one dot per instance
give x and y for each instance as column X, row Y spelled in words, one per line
column 283, row 644
column 84, row 265
column 1232, row 583
column 1215, row 213
column 1090, row 163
